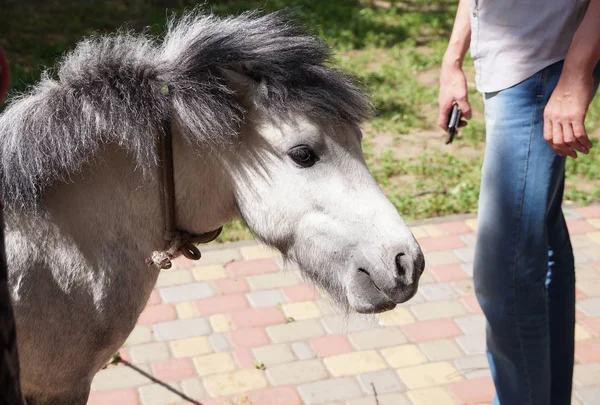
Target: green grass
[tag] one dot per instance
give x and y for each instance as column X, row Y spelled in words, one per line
column 395, row 50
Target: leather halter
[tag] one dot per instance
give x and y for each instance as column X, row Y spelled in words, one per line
column 178, row 242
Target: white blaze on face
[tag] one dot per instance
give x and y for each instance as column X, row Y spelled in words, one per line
column 306, row 189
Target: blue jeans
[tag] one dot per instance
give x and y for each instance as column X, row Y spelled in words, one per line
column 524, row 270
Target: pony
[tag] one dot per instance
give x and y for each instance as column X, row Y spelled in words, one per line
column 134, row 143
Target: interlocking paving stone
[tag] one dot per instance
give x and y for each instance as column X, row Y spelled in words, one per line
column 403, row 356
column 220, row 304
column 474, row 391
column 207, row 273
column 335, row 389
column 301, row 310
column 173, row 369
column 442, row 258
column 219, row 342
column 472, row 223
column 244, row 358
column 377, row 338
column 439, row 243
column 156, row 394
column 388, row 399
column 214, row 363
column 174, row 277
column 300, row 292
column 342, row 325
column 440, row 350
column 473, row 366
column 590, row 306
column 270, row 281
column 589, row 395
column 219, row 256
column 157, row 313
column 186, row 292
column 149, row 352
column 303, row 351
column 268, row 298
column 298, row 372
column 219, row 323
column 431, row 330
column 231, row 286
column 581, row 333
column 235, row 382
column 438, row 310
column 274, row 354
column 274, row 396
column 249, row 318
column 251, row 337
column 469, row 240
column 190, row 347
column 472, row 344
column 140, row 334
column 398, row 316
column 438, row 292
column 428, row 375
column 294, row 331
column 259, row 252
column 590, row 288
column 592, row 325
column 127, row 396
column 355, row 363
column 466, row 254
column 471, row 324
column 385, row 381
column 465, row 288
column 449, row 273
column 181, row 329
column 193, row 387
column 586, row 375
column 185, row 310
column 454, row 228
column 330, row 345
column 431, row 396
column 468, row 268
column 251, row 267
column 119, row 377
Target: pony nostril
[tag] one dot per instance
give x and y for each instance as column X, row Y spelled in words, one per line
column 400, row 267
column 361, row 270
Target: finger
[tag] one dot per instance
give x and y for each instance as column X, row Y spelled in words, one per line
column 443, row 113
column 581, row 135
column 462, row 123
column 465, row 107
column 570, row 140
column 548, row 130
column 558, row 141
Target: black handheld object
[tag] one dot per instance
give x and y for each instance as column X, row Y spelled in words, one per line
column 453, row 121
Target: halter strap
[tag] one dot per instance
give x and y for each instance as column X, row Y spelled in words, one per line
column 178, row 242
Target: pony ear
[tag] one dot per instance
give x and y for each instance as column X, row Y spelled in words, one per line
column 245, row 87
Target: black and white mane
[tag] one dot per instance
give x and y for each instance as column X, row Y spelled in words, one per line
column 122, row 89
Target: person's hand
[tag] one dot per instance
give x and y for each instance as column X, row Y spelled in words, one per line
column 453, row 90
column 565, row 112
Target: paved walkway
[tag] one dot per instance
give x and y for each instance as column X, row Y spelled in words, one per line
column 233, row 329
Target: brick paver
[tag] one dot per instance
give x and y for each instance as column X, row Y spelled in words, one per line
column 234, row 328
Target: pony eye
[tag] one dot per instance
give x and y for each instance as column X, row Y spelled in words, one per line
column 303, row 156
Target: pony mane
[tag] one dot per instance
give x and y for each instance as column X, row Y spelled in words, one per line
column 123, row 89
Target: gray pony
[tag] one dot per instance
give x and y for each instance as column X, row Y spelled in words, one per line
column 260, row 125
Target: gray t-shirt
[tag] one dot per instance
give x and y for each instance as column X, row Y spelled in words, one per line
column 511, row 40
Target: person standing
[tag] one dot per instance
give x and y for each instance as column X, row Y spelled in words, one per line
column 536, row 64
